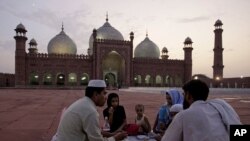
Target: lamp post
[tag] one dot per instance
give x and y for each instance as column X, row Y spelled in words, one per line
column 242, row 82
column 217, row 81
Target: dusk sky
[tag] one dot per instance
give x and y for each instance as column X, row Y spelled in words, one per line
column 168, row 23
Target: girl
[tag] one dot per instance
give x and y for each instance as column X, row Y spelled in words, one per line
column 142, row 120
column 115, row 113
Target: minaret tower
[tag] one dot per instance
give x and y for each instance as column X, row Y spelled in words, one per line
column 187, row 59
column 33, row 46
column 20, row 61
column 164, row 53
column 218, row 56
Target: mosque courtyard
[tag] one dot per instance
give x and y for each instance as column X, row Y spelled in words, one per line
column 33, row 114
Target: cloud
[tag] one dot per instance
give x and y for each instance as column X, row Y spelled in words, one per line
column 229, row 50
column 7, row 56
column 195, row 19
column 41, row 16
column 7, row 45
column 47, row 16
column 117, row 15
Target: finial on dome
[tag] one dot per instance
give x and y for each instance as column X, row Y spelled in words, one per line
column 146, row 32
column 62, row 26
column 107, row 17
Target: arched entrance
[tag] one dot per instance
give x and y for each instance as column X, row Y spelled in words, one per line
column 84, row 79
column 137, row 80
column 113, row 66
column 72, row 79
column 60, row 79
column 110, row 79
column 33, row 79
column 47, row 80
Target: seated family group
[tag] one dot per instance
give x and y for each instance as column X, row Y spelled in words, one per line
column 182, row 117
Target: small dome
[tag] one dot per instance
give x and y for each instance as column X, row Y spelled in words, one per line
column 33, row 42
column 218, row 23
column 62, row 44
column 20, row 26
column 105, row 32
column 188, row 41
column 164, row 50
column 147, row 49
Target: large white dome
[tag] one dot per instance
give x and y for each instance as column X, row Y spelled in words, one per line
column 105, row 32
column 62, row 44
column 147, row 49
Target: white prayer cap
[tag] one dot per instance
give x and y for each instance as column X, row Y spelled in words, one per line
column 176, row 108
column 97, row 83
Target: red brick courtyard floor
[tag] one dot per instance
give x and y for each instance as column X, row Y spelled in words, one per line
column 33, row 115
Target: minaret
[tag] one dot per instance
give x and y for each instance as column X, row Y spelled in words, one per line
column 20, row 63
column 131, row 57
column 218, row 56
column 94, row 53
column 33, row 46
column 187, row 59
column 164, row 53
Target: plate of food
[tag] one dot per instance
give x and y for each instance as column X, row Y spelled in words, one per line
column 142, row 137
column 152, row 135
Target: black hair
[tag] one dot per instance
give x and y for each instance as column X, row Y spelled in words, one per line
column 89, row 91
column 110, row 97
column 139, row 106
column 197, row 89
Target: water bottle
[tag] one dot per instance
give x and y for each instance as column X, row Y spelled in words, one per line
column 106, row 126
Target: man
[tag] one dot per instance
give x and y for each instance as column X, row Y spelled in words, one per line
column 203, row 120
column 80, row 122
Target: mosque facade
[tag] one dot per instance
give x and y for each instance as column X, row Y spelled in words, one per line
column 109, row 57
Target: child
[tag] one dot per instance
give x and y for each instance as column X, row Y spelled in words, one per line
column 115, row 113
column 175, row 109
column 142, row 120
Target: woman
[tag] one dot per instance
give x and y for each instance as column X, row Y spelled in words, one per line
column 115, row 113
column 173, row 96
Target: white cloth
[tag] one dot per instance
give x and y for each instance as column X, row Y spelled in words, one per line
column 97, row 83
column 200, row 122
column 227, row 113
column 136, row 138
column 140, row 121
column 80, row 122
column 176, row 108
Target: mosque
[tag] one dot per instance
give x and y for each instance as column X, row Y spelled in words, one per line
column 109, row 57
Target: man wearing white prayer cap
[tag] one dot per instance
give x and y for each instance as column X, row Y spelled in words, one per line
column 80, row 122
column 97, row 83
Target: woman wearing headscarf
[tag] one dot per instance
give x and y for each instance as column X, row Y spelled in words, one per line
column 173, row 97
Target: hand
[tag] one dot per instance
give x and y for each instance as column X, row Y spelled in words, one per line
column 107, row 134
column 158, row 137
column 111, row 110
column 120, row 135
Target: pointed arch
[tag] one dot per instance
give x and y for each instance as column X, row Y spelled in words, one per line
column 34, row 78
column 72, row 79
column 178, row 81
column 60, row 79
column 84, row 80
column 148, row 80
column 158, row 80
column 47, row 79
column 137, row 80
